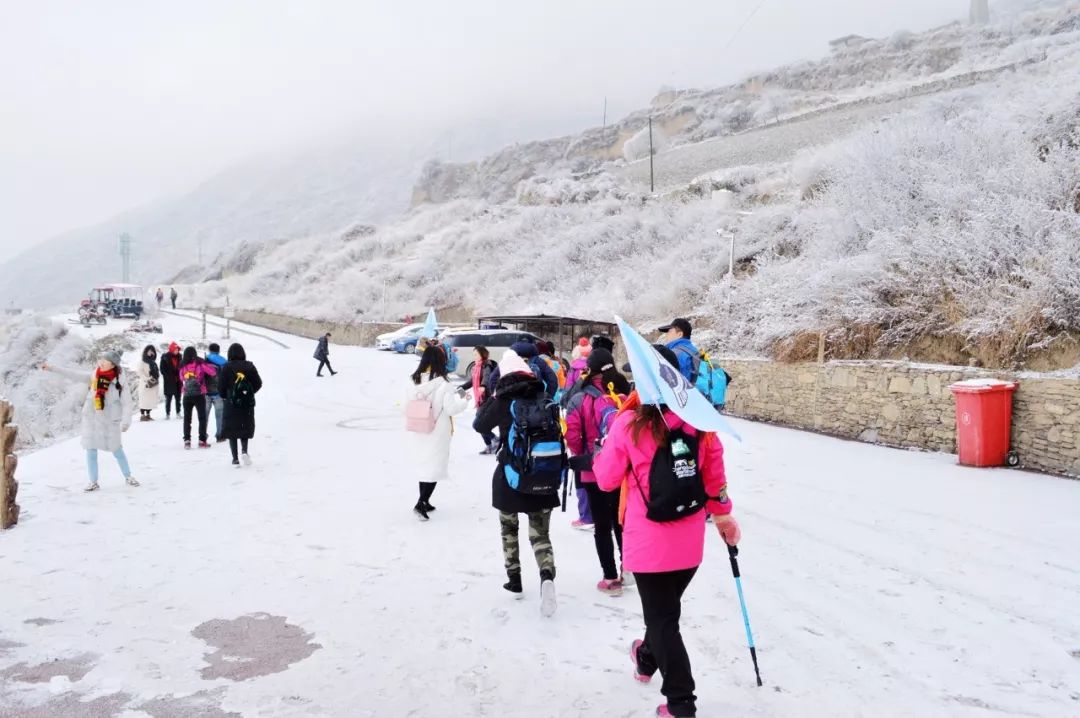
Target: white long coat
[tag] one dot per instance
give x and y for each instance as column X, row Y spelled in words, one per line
column 103, row 430
column 429, row 454
column 149, row 396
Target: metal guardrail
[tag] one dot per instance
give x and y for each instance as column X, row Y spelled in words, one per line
column 223, row 326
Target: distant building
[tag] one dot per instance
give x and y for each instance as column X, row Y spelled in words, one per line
column 847, row 41
column 980, row 12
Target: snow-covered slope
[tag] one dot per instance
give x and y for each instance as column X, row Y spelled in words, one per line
column 936, row 198
column 879, row 582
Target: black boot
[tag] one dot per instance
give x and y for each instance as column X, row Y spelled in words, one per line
column 514, row 584
column 428, row 507
column 421, row 511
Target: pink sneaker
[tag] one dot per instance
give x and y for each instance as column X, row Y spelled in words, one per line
column 612, row 587
column 638, row 675
column 581, row 525
column 663, row 712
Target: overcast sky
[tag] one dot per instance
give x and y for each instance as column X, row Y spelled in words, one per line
column 107, row 105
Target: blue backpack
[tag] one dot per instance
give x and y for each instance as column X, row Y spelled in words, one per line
column 451, row 358
column 710, row 380
column 536, row 455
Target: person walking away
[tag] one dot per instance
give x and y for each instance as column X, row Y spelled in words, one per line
column 431, row 402
column 650, row 448
column 170, row 379
column 322, row 354
column 174, row 295
column 520, row 394
column 193, row 379
column 482, row 369
column 677, row 339
column 213, row 392
column 548, row 356
column 160, row 296
column 588, row 417
column 239, row 382
column 106, row 414
column 578, row 364
column 149, row 374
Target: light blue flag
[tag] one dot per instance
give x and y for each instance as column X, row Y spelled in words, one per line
column 431, row 326
column 657, row 382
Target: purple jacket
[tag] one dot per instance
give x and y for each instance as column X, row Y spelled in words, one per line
column 577, row 368
column 583, row 418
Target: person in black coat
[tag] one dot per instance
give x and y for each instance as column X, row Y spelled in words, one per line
column 322, row 354
column 518, row 382
column 238, row 385
column 170, row 379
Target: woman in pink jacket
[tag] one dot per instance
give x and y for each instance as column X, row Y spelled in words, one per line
column 588, row 415
column 664, row 556
column 194, row 372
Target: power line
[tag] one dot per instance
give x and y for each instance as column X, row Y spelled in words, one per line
column 742, row 27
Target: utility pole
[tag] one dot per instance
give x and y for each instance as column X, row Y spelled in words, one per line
column 652, row 177
column 980, row 12
column 125, row 257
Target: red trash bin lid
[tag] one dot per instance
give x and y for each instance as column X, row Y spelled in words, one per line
column 982, row 386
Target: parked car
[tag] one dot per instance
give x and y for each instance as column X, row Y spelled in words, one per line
column 497, row 341
column 385, row 342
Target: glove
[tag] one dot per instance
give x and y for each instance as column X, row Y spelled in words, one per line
column 728, row 528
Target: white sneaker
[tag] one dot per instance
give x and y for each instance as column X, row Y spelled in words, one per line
column 132, row 482
column 548, row 602
column 627, row 577
column 246, row 459
column 92, row 487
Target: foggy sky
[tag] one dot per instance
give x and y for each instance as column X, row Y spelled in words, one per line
column 108, row 105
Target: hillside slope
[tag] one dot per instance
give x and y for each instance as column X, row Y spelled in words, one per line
column 950, row 217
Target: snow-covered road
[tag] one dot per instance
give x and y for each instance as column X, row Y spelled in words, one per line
column 879, row 582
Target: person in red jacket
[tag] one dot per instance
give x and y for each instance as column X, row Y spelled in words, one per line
column 664, row 556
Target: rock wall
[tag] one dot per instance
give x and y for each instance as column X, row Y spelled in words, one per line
column 9, row 487
column 350, row 334
column 905, row 405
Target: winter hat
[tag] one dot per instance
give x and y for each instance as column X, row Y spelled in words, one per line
column 602, row 342
column 174, row 347
column 112, row 356
column 525, row 348
column 581, row 351
column 511, row 363
column 599, row 360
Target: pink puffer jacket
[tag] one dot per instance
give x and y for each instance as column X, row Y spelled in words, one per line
column 649, row 546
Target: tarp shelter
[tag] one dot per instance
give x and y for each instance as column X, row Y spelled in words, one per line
column 562, row 331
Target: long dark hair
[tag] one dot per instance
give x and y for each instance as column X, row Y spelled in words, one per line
column 237, row 353
column 432, row 361
column 190, row 355
column 151, row 362
column 649, row 418
column 483, row 352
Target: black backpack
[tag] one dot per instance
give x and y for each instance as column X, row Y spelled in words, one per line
column 535, row 452
column 193, row 385
column 242, row 395
column 212, row 385
column 676, row 487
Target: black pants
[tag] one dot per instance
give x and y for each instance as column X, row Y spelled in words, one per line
column 605, row 513
column 663, row 649
column 198, row 403
column 174, row 304
column 170, row 397
column 427, row 488
column 232, row 447
column 325, row 363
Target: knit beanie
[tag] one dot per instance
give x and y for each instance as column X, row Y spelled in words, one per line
column 511, row 363
column 599, row 360
column 112, row 356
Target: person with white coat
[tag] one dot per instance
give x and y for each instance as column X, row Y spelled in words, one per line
column 430, row 405
column 149, row 382
column 106, row 414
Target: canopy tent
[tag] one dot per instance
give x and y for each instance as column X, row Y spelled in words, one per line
column 561, row 331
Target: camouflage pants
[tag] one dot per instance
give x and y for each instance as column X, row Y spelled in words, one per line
column 539, row 537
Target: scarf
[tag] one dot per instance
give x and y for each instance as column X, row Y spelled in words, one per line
column 102, row 381
column 154, row 371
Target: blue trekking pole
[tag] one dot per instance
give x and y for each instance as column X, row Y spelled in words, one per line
column 733, row 554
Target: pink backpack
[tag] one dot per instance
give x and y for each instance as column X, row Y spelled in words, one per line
column 420, row 416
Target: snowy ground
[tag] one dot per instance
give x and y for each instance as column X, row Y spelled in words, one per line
column 880, row 582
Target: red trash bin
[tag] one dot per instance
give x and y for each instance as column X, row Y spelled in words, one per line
column 983, row 420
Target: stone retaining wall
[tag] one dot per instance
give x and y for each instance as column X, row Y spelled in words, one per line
column 9, row 487
column 905, row 405
column 357, row 334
